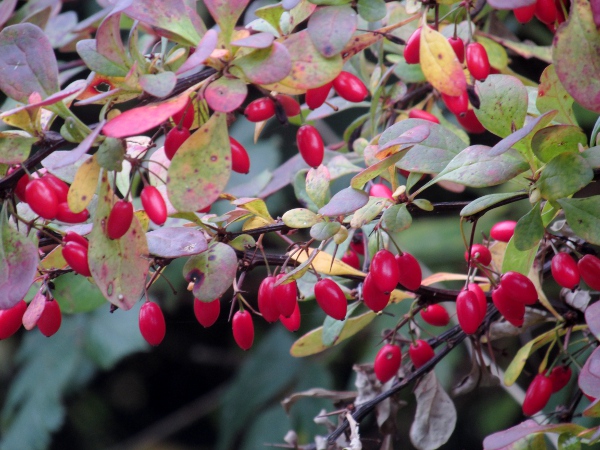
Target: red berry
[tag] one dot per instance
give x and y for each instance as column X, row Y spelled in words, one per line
column 564, row 270
column 76, row 255
column 412, row 47
column 351, row 258
column 290, row 106
column 331, row 298
column 266, row 300
column 154, row 205
column 240, row 161
column 385, row 271
column 350, row 87
column 310, row 145
column 387, row 362
column 435, row 315
column 285, row 296
column 477, row 61
column 546, row 12
column 458, row 105
column 185, row 117
column 317, row 96
column 375, row 299
column 468, row 311
column 64, row 214
column 537, row 395
column 11, row 319
column 560, row 377
column 458, row 46
column 174, row 139
column 589, row 269
column 152, row 323
column 60, row 188
column 525, row 13
column 470, row 122
column 243, row 329
column 519, row 287
column 22, row 187
column 481, row 298
column 357, row 246
column 479, row 254
column 51, row 318
column 292, row 323
column 420, row 353
column 424, row 115
column 511, row 309
column 71, row 236
column 207, row 313
column 260, row 109
column 410, row 271
column 381, row 190
column 42, row 199
column 119, row 219
column 503, row 231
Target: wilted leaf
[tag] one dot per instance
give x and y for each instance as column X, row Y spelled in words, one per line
column 439, row 63
column 212, row 271
column 331, row 28
column 345, row 202
column 564, row 175
column 226, row 94
column 176, row 242
column 583, row 215
column 317, row 393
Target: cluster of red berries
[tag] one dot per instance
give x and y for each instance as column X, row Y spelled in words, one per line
column 543, row 386
column 389, row 358
column 549, row 12
column 566, row 272
column 48, row 320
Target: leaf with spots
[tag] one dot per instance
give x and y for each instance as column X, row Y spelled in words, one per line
column 583, row 215
column 264, row 66
column 226, row 94
column 556, row 139
column 201, row 167
column 15, row 146
column 119, row 266
column 212, row 272
column 331, row 28
column 317, row 185
column 564, row 175
column 553, row 95
column 109, row 43
column 84, row 185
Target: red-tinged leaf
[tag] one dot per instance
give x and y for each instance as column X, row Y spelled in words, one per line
column 226, row 13
column 203, row 51
column 19, row 260
column 109, row 43
column 265, row 66
column 138, row 120
column 592, row 318
column 345, row 202
column 34, row 311
column 159, row 85
column 226, row 94
column 439, row 63
column 75, row 155
column 553, row 95
column 258, row 40
column 331, row 28
column 27, row 63
column 119, row 266
column 7, row 7
column 87, row 50
column 577, row 46
column 201, row 167
column 212, row 272
column 510, row 4
column 176, row 242
column 502, row 439
column 530, row 126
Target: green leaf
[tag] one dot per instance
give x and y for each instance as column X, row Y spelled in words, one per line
column 243, row 242
column 226, row 94
column 583, row 215
column 496, row 53
column 76, row 294
column 368, row 212
column 329, row 2
column 317, row 185
column 554, row 140
column 300, row 191
column 339, row 166
column 159, row 84
column 568, row 441
column 564, row 175
column 397, row 218
column 372, row 10
column 503, row 104
column 299, row 218
column 88, row 52
column 359, row 180
column 119, row 266
column 27, row 63
column 331, row 28
column 332, row 328
column 264, row 66
column 552, row 95
column 592, row 156
column 576, row 56
column 201, row 167
column 324, row 230
column 531, row 126
column 482, row 203
column 345, row 202
column 226, row 13
column 15, row 146
column 529, row 230
column 109, row 43
column 517, row 260
column 111, row 154
column 212, row 272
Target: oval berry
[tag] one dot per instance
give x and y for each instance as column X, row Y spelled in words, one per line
column 479, row 254
column 154, row 205
column 266, row 300
column 292, row 323
column 42, row 199
column 457, row 105
column 310, row 145
column 60, row 188
column 384, row 271
column 51, row 318
column 560, row 377
column 351, row 258
column 410, row 271
column 21, row 187
column 350, row 87
column 525, row 13
column 546, row 11
column 387, row 362
column 375, row 299
column 240, row 161
column 290, row 106
column 564, row 270
column 11, row 319
column 537, row 395
column 512, row 310
column 174, row 139
column 424, row 115
column 331, row 298
column 519, row 287
column 468, row 312
column 381, row 190
column 64, row 214
column 435, row 315
column 589, row 269
column 285, row 296
column 185, row 117
column 470, row 122
column 243, row 329
column 119, row 219
column 503, row 231
column 207, row 313
column 481, row 298
column 357, row 245
column 76, row 256
column 152, row 323
column 260, row 109
column 477, row 61
column 412, row 47
column 458, row 46
column 420, row 353
column 71, row 236
column 317, row 96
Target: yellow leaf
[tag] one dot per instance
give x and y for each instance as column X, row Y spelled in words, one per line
column 255, row 222
column 143, row 219
column 54, row 260
column 84, row 185
column 322, row 264
column 440, row 64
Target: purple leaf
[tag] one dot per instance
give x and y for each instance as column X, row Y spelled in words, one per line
column 589, row 377
column 266, row 66
column 176, row 242
column 510, row 4
column 515, row 137
column 345, row 202
column 159, row 85
column 203, row 51
column 413, row 136
column 503, row 439
column 212, row 271
column 331, row 28
column 109, row 43
column 226, row 94
column 258, row 40
column 74, row 155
